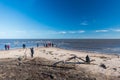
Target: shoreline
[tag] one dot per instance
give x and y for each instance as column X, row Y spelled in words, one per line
column 84, row 51
column 111, row 62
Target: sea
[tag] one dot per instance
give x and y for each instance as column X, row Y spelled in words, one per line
column 106, row 46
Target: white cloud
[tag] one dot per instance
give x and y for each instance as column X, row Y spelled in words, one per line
column 62, row 32
column 116, row 30
column 20, row 31
column 101, row 30
column 2, row 32
column 84, row 23
column 81, row 31
column 72, row 32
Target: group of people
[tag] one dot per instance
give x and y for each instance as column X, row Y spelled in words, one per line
column 49, row 44
column 7, row 47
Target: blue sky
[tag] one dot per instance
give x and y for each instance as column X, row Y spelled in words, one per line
column 60, row 19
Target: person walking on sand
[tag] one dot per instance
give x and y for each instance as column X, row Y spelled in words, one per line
column 32, row 52
column 87, row 59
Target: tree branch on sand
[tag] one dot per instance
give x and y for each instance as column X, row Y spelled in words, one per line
column 74, row 58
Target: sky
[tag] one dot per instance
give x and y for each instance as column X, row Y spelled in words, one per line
column 59, row 19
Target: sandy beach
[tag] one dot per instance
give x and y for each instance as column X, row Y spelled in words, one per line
column 102, row 64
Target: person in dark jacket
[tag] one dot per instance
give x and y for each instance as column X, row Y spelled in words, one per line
column 5, row 47
column 24, row 46
column 87, row 59
column 32, row 52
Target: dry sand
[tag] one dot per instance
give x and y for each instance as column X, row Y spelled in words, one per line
column 110, row 63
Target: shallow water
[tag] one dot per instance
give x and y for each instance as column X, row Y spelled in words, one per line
column 111, row 46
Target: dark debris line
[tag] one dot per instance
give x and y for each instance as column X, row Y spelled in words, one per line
column 37, row 69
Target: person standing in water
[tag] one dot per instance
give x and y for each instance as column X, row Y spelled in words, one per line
column 37, row 45
column 24, row 46
column 5, row 47
column 8, row 46
column 32, row 52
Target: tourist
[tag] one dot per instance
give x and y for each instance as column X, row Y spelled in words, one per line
column 8, row 47
column 37, row 45
column 5, row 47
column 52, row 44
column 24, row 46
column 87, row 59
column 32, row 52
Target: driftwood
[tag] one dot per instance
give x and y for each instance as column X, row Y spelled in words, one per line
column 58, row 63
column 103, row 66
column 75, row 58
column 56, row 66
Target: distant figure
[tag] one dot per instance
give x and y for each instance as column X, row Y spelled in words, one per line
column 49, row 44
column 32, row 52
column 55, row 45
column 8, row 47
column 52, row 44
column 24, row 46
column 87, row 59
column 37, row 45
column 45, row 45
column 5, row 47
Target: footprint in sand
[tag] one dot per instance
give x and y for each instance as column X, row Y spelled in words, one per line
column 115, row 69
column 56, row 54
column 62, row 55
column 19, row 50
column 68, row 53
column 58, row 50
column 72, row 55
column 47, row 53
column 104, row 60
column 55, row 58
